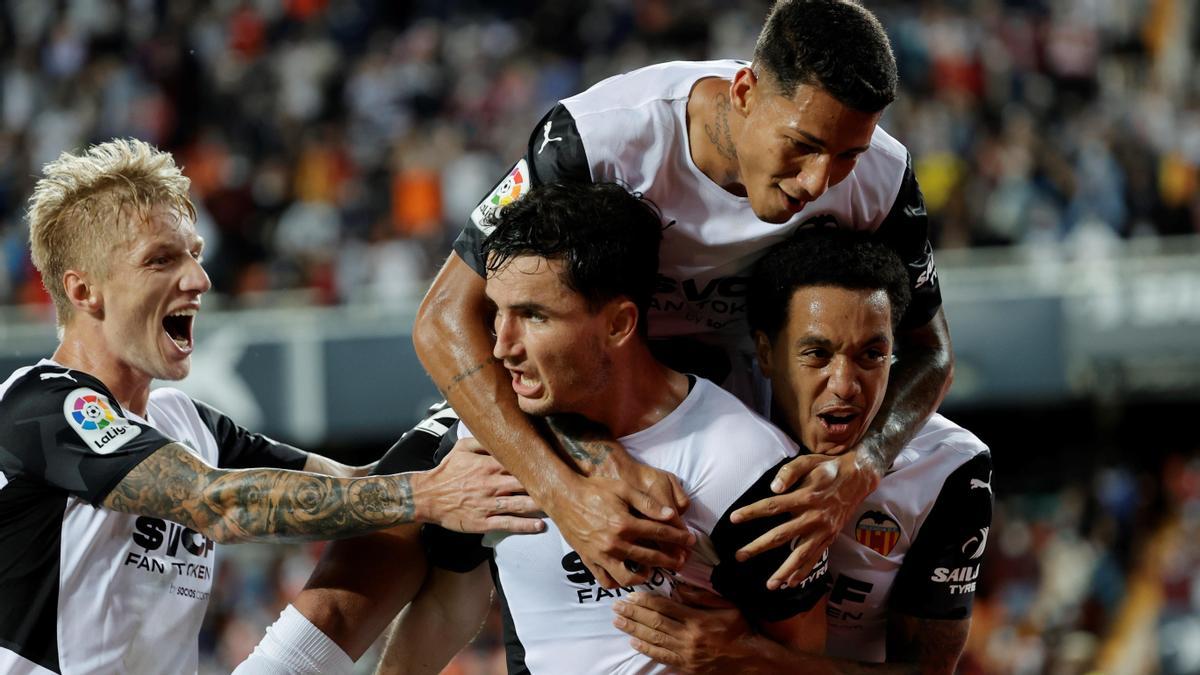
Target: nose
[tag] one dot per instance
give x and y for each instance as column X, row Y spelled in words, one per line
column 508, row 344
column 814, row 176
column 844, row 378
column 195, row 279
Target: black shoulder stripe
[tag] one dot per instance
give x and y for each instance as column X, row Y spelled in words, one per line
column 555, row 152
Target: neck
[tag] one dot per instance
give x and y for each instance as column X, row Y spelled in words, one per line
column 712, row 127
column 129, row 386
column 642, row 392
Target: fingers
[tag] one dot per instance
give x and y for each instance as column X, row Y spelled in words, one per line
column 796, row 469
column 772, row 506
column 636, row 529
column 774, row 538
column 649, row 558
column 663, row 656
column 682, row 501
column 605, row 579
column 513, row 524
column 518, row 505
column 657, row 628
column 648, row 506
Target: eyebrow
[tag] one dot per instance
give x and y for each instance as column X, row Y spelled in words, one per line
column 826, row 343
column 816, row 140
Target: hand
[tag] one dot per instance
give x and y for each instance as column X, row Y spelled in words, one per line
column 702, row 634
column 832, row 489
column 599, row 518
column 471, row 492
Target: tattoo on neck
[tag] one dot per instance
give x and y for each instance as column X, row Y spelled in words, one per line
column 718, row 131
column 585, row 442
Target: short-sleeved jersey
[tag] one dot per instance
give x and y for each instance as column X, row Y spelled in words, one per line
column 559, row 620
column 84, row 589
column 915, row 544
column 632, row 129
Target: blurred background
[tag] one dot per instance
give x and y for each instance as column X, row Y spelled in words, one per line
column 335, row 148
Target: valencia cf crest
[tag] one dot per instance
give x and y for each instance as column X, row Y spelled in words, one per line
column 877, row 531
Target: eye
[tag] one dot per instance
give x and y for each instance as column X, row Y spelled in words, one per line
column 816, row 355
column 801, row 146
column 159, row 261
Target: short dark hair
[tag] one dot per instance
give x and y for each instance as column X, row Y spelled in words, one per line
column 837, row 45
column 606, row 238
column 823, row 256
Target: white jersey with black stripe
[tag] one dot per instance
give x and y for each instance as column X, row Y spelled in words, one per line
column 559, row 619
column 915, row 544
column 84, row 589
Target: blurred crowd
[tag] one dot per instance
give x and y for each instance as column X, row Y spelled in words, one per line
column 336, row 146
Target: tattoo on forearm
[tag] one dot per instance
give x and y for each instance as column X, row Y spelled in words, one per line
column 472, row 370
column 253, row 504
column 718, row 132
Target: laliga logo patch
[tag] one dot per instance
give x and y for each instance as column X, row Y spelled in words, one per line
column 91, row 415
column 514, row 185
column 877, row 531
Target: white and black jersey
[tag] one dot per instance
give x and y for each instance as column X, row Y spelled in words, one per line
column 915, row 545
column 84, row 589
column 632, row 129
column 559, row 620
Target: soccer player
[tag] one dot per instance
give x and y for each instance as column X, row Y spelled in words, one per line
column 904, row 569
column 112, row 496
column 738, row 156
column 571, row 270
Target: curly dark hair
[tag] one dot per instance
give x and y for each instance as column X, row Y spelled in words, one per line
column 606, row 238
column 837, row 45
column 823, row 256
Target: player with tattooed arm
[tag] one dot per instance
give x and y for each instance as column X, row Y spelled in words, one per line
column 113, row 497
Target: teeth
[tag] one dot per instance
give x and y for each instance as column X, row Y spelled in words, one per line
column 181, row 342
column 527, row 381
column 184, row 312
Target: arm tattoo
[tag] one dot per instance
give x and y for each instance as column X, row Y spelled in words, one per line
column 259, row 504
column 587, row 443
column 457, row 379
column 718, row 133
column 915, row 388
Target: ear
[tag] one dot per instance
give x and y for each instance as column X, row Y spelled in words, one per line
column 623, row 318
column 81, row 293
column 743, row 90
column 762, row 348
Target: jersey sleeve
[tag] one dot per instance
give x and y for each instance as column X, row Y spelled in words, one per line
column 242, row 449
column 937, row 578
column 745, row 583
column 906, row 231
column 420, row 449
column 65, row 429
column 555, row 154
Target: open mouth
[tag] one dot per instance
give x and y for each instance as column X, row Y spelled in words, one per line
column 837, row 422
column 178, row 326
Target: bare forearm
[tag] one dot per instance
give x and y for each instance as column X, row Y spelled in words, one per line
column 260, row 504
column 453, row 344
column 919, row 381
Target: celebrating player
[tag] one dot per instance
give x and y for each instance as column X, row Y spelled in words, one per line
column 822, row 311
column 571, row 270
column 738, row 156
column 111, row 499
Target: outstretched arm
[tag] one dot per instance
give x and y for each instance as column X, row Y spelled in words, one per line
column 592, row 509
column 274, row 504
column 827, row 497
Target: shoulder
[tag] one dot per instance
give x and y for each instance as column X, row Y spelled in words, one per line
column 47, row 387
column 946, row 440
column 631, row 111
column 670, row 81
column 878, row 177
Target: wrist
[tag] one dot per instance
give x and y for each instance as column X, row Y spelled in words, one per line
column 867, row 466
column 414, row 487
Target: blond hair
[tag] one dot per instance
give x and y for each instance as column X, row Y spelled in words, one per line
column 83, row 206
